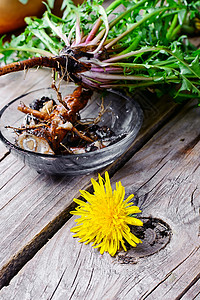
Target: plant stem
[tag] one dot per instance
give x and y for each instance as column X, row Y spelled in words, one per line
column 138, row 66
column 27, row 49
column 94, row 30
column 176, row 31
column 98, row 75
column 133, row 53
column 113, row 5
column 135, row 85
column 105, row 19
column 116, row 20
column 171, row 29
column 145, row 18
column 78, row 30
column 121, row 16
column 132, row 47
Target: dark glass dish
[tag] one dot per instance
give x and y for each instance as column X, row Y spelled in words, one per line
column 123, row 116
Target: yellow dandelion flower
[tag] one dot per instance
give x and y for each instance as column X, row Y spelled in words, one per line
column 105, row 217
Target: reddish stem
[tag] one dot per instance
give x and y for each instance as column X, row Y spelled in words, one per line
column 94, row 30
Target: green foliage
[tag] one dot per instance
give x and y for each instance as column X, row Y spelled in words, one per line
column 148, row 38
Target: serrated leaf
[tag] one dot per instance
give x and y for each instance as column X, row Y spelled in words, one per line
column 176, row 52
column 187, row 85
column 184, row 70
column 195, row 65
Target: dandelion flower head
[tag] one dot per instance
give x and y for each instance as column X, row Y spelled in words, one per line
column 105, row 217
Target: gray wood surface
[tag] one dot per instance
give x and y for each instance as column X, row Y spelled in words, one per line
column 16, row 84
column 33, row 207
column 38, row 250
column 164, row 176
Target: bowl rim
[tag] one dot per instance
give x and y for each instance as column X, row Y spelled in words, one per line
column 121, row 94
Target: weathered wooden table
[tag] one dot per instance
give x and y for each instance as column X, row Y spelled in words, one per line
column 40, row 259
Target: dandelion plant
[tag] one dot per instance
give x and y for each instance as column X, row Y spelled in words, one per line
column 130, row 44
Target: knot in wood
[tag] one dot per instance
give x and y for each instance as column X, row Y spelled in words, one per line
column 155, row 235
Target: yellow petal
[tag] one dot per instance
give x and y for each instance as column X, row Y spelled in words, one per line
column 134, row 221
column 129, row 240
column 78, row 201
column 133, row 210
column 87, row 196
column 98, row 189
column 108, row 185
column 129, row 198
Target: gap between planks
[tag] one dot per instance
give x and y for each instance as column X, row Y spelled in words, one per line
column 66, row 269
column 156, row 115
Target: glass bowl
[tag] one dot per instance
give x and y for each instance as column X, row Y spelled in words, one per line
column 123, row 116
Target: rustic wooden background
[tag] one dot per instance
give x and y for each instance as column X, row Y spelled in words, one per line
column 39, row 258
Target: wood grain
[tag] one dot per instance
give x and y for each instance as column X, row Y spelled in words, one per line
column 33, row 207
column 15, row 84
column 193, row 292
column 164, row 176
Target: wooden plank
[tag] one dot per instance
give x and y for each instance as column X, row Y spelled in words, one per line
column 193, row 292
column 157, row 112
column 3, row 151
column 24, row 192
column 15, row 84
column 164, row 176
column 32, row 208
